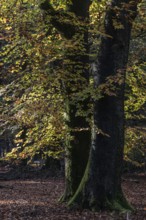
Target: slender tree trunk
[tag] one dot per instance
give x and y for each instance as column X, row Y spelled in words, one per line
column 100, row 187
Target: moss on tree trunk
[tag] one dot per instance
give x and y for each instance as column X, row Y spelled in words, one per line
column 76, row 65
column 74, row 29
column 100, row 187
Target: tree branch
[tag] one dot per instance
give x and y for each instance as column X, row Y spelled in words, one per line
column 61, row 20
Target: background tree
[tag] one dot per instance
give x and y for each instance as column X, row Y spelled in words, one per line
column 135, row 98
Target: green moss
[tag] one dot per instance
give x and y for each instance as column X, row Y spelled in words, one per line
column 119, row 204
column 78, row 196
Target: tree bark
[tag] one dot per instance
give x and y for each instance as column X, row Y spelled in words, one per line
column 77, row 149
column 76, row 79
column 100, row 187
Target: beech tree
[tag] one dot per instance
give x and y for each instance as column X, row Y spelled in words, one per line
column 73, row 25
column 94, row 117
column 101, row 184
column 100, row 187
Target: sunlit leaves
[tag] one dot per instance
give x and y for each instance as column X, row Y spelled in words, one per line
column 35, row 71
column 135, row 146
column 135, row 97
column 31, row 95
column 135, row 103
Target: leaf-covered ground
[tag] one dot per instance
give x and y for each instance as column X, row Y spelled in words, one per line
column 38, row 199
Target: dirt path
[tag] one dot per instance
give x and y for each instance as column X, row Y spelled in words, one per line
column 37, row 199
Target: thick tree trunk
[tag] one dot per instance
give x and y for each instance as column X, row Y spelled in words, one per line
column 76, row 79
column 100, row 187
column 77, row 149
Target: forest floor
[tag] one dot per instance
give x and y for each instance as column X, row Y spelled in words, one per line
column 31, row 197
